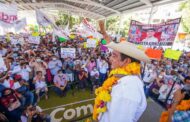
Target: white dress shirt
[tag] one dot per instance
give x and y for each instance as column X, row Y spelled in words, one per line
column 25, row 73
column 128, row 101
column 151, row 39
column 103, row 67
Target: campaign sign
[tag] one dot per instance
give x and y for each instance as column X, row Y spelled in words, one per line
column 68, row 52
column 153, row 34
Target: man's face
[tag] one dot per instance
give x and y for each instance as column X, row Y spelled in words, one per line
column 150, row 33
column 115, row 60
column 40, row 75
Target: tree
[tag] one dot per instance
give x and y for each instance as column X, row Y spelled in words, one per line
column 185, row 9
column 112, row 23
column 63, row 20
column 125, row 29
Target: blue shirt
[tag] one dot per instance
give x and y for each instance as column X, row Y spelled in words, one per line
column 54, row 66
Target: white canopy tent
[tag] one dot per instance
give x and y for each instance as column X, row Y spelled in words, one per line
column 95, row 9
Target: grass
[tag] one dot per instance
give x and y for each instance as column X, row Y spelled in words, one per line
column 54, row 101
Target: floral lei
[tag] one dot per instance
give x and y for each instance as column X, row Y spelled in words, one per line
column 183, row 106
column 103, row 94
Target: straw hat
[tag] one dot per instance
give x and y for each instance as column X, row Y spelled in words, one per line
column 129, row 49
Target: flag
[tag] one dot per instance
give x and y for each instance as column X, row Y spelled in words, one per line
column 43, row 20
column 61, row 34
column 20, row 24
column 66, row 30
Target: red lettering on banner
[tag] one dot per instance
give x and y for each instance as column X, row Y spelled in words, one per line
column 7, row 18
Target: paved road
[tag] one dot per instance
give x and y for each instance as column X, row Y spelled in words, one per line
column 152, row 113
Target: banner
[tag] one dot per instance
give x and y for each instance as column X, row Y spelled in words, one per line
column 88, row 26
column 20, row 24
column 34, row 39
column 8, row 14
column 91, row 43
column 2, row 65
column 153, row 34
column 68, row 52
column 87, row 30
column 172, row 54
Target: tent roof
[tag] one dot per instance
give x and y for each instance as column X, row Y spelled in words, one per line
column 96, row 9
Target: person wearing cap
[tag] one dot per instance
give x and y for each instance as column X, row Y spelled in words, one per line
column 121, row 97
column 150, row 36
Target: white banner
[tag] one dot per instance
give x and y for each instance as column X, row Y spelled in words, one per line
column 91, row 43
column 88, row 26
column 20, row 24
column 89, row 30
column 2, row 65
column 68, row 52
column 34, row 39
column 8, row 14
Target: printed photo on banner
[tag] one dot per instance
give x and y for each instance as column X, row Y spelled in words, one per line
column 153, row 34
column 68, row 52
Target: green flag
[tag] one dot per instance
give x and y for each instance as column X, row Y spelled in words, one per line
column 61, row 39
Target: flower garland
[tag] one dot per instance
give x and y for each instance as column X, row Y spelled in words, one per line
column 103, row 94
column 183, row 106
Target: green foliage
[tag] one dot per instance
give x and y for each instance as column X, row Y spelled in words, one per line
column 112, row 24
column 185, row 8
column 125, row 28
column 63, row 20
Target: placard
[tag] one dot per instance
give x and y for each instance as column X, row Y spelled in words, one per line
column 68, row 52
column 172, row 54
column 34, row 39
column 91, row 43
column 154, row 53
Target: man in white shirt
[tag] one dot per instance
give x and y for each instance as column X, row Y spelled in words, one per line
column 103, row 68
column 128, row 101
column 24, row 71
column 54, row 65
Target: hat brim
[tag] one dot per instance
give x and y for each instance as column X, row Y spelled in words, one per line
column 129, row 49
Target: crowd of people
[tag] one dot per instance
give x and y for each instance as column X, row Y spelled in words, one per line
column 32, row 70
column 162, row 78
